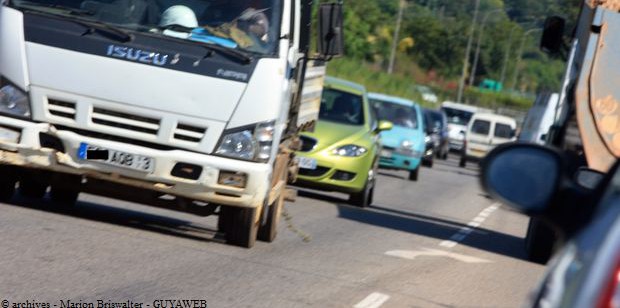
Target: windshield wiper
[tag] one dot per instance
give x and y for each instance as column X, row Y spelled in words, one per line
column 94, row 26
column 90, row 25
column 71, row 10
column 237, row 54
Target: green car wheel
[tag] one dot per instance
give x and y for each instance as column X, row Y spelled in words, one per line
column 364, row 197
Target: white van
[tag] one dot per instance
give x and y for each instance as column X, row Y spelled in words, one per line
column 458, row 116
column 539, row 118
column 484, row 132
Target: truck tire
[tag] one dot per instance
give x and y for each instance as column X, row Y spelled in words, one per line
column 33, row 184
column 268, row 231
column 239, row 225
column 66, row 194
column 539, row 241
column 363, row 198
column 8, row 179
column 413, row 174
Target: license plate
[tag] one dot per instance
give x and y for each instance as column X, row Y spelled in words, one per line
column 116, row 158
column 306, row 163
column 386, row 153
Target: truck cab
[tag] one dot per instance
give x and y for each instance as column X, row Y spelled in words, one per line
column 141, row 99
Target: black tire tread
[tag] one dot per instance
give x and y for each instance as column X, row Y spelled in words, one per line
column 239, row 225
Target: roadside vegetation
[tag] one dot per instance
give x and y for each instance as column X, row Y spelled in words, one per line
column 432, row 44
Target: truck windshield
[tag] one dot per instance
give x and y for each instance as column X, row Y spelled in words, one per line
column 249, row 25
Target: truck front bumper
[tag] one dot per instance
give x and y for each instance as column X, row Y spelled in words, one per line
column 28, row 152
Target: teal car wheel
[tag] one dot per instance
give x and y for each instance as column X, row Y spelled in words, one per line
column 413, row 174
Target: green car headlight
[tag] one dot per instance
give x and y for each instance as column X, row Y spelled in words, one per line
column 350, row 150
column 13, row 101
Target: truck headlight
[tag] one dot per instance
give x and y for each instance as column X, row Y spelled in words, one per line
column 13, row 101
column 350, row 150
column 253, row 144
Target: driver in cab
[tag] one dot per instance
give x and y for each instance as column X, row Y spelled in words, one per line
column 249, row 30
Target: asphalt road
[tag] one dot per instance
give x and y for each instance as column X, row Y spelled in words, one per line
column 438, row 242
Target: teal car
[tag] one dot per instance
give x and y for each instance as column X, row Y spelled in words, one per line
column 404, row 144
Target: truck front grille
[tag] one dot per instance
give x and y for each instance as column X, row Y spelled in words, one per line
column 189, row 133
column 61, row 109
column 125, row 121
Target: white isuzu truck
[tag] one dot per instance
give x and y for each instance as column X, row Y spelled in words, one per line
column 190, row 105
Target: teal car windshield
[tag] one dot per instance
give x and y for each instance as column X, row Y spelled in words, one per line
column 252, row 26
column 400, row 115
column 342, row 107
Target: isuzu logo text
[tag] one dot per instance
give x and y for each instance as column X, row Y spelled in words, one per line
column 137, row 55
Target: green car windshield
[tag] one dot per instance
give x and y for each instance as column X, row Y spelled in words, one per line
column 251, row 26
column 400, row 115
column 342, row 107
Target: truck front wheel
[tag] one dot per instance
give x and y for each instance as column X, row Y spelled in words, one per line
column 65, row 190
column 239, row 224
column 33, row 184
column 268, row 231
column 8, row 179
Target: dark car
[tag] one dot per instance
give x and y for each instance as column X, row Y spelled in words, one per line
column 539, row 182
column 437, row 130
column 429, row 145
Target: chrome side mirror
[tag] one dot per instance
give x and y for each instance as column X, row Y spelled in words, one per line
column 524, row 176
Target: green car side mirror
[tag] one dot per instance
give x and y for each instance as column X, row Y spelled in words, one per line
column 384, row 125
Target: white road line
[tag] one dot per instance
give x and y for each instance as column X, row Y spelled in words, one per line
column 448, row 244
column 462, row 234
column 374, row 300
column 412, row 254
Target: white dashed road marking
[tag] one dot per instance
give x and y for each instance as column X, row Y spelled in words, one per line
column 466, row 231
column 411, row 255
column 374, row 300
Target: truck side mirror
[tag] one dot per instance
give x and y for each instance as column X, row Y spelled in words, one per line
column 523, row 176
column 553, row 34
column 331, row 38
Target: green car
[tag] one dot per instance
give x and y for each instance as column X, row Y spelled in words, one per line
column 342, row 154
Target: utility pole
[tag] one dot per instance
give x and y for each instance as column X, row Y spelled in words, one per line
column 520, row 56
column 507, row 56
column 467, row 52
column 474, row 66
column 399, row 20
